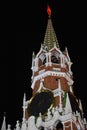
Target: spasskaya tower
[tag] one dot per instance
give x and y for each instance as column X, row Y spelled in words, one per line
column 53, row 105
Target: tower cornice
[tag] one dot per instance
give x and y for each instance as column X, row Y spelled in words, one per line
column 50, row 73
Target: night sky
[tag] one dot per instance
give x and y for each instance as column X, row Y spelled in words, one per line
column 69, row 21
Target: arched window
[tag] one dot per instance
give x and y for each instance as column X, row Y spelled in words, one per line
column 59, row 126
column 44, row 61
column 54, row 59
column 41, row 128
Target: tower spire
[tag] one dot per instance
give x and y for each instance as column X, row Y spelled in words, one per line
column 50, row 39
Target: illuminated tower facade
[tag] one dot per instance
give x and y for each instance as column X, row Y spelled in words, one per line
column 53, row 105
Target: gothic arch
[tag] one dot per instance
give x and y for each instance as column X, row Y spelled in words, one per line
column 42, row 59
column 41, row 128
column 55, row 57
column 58, row 125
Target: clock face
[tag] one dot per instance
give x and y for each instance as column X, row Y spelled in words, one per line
column 40, row 103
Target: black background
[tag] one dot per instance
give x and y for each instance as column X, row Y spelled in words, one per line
column 28, row 26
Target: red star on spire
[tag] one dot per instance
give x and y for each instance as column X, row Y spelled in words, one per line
column 48, row 10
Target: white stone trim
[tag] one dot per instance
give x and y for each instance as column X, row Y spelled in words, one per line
column 51, row 122
column 56, row 117
column 56, row 69
column 55, row 92
column 67, row 117
column 40, row 51
column 51, row 73
column 57, row 49
column 41, row 71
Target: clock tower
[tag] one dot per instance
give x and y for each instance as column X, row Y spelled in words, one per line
column 53, row 105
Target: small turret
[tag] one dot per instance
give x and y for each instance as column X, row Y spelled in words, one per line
column 60, row 96
column 80, row 106
column 24, row 106
column 18, row 125
column 3, row 127
column 68, row 108
column 9, row 127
